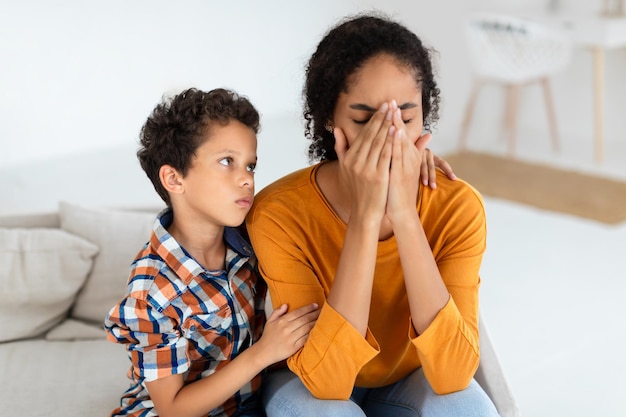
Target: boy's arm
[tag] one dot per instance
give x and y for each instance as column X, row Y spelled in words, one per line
column 284, row 334
column 172, row 398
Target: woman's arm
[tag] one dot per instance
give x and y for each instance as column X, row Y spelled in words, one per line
column 448, row 348
column 426, row 291
column 335, row 352
column 363, row 174
column 428, row 295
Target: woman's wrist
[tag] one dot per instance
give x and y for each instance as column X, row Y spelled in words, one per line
column 406, row 219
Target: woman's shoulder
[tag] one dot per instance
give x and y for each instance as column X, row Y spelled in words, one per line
column 452, row 195
column 287, row 187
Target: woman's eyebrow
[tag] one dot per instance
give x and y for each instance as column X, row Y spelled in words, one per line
column 365, row 107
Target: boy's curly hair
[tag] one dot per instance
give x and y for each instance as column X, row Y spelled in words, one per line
column 178, row 126
column 342, row 51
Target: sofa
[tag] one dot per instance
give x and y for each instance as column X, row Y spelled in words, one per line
column 62, row 272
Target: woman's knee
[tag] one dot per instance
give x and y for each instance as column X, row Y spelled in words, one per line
column 413, row 396
column 284, row 395
column 470, row 402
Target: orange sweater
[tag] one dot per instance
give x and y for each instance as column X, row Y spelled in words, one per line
column 298, row 238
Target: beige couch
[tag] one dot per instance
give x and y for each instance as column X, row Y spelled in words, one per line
column 61, row 273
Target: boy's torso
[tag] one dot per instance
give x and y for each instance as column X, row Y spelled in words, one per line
column 202, row 319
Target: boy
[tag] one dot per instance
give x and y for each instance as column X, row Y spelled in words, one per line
column 193, row 313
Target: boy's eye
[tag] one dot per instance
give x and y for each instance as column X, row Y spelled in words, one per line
column 226, row 161
column 251, row 167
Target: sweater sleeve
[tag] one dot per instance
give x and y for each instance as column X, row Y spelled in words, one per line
column 449, row 348
column 334, row 347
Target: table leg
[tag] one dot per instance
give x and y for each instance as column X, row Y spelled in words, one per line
column 598, row 69
column 469, row 113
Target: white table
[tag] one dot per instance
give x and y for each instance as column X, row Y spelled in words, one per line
column 600, row 34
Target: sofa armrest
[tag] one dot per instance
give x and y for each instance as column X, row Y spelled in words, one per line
column 491, row 378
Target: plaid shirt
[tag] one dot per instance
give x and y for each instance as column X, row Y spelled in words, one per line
column 178, row 318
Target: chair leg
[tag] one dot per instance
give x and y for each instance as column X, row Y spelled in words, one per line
column 512, row 98
column 545, row 83
column 469, row 113
column 504, row 129
column 598, row 75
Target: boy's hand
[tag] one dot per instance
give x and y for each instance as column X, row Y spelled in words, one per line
column 286, row 332
column 430, row 162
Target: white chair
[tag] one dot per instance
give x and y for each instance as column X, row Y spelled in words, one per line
column 514, row 52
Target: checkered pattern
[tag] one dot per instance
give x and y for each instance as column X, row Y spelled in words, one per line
column 178, row 318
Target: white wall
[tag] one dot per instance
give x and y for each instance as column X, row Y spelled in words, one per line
column 82, row 75
column 77, row 80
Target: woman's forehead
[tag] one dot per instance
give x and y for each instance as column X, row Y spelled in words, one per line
column 382, row 72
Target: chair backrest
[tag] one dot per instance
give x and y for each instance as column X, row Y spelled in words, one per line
column 514, row 49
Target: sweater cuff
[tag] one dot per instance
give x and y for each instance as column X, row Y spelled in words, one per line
column 446, row 322
column 342, row 334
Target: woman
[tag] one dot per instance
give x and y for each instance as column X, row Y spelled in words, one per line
column 394, row 265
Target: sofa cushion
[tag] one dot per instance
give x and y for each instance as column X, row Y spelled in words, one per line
column 42, row 271
column 65, row 378
column 72, row 329
column 120, row 235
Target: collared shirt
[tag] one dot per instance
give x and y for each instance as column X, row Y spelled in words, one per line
column 179, row 318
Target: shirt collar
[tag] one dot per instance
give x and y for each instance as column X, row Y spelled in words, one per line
column 177, row 258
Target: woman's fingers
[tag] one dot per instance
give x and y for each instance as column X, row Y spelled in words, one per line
column 381, row 133
column 369, row 152
column 341, row 143
column 422, row 141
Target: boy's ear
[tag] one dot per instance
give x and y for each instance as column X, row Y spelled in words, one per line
column 171, row 179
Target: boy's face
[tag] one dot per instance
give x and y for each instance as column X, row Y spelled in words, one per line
column 219, row 186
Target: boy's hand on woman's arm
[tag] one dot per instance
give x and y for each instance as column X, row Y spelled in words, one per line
column 430, row 162
column 286, row 332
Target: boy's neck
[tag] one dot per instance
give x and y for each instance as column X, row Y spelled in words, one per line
column 205, row 243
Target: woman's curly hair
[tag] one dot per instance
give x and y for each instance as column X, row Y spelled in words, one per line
column 178, row 126
column 343, row 50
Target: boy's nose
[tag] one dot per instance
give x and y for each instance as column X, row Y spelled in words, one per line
column 247, row 179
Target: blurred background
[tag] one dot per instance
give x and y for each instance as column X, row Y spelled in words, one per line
column 78, row 79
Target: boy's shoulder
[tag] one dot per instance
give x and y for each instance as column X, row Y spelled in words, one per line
column 152, row 279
